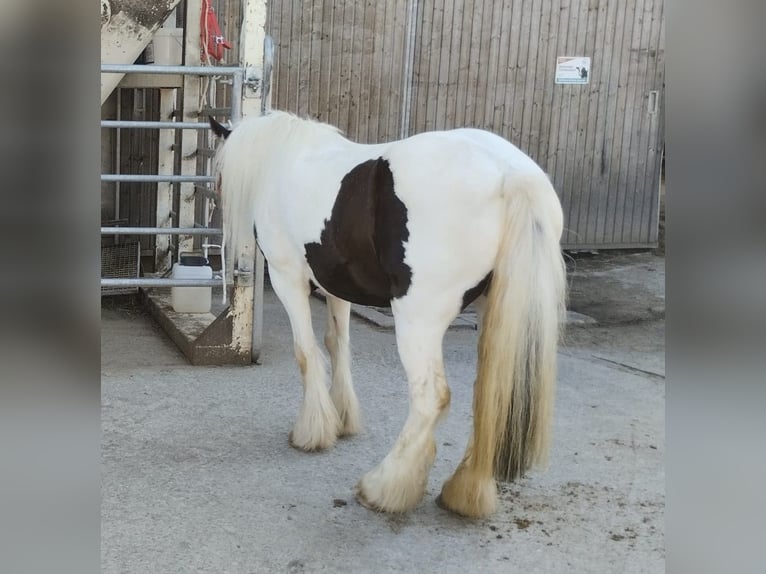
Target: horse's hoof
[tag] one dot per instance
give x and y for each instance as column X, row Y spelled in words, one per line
column 362, row 499
column 462, row 494
column 308, row 446
column 396, row 498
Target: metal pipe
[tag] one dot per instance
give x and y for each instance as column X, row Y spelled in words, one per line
column 236, row 96
column 155, row 125
column 409, row 62
column 159, row 282
column 118, row 155
column 154, row 69
column 212, row 231
column 155, row 178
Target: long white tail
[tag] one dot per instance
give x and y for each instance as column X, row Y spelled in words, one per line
column 514, row 391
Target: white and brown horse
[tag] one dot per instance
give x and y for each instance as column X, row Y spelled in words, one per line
column 426, row 225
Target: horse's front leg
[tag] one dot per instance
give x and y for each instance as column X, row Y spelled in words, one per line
column 399, row 482
column 318, row 424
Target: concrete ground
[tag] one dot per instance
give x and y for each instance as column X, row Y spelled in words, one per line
column 198, row 475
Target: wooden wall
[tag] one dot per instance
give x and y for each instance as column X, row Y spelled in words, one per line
column 381, row 70
column 341, row 62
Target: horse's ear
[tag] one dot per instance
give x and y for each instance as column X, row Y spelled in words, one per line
column 219, row 129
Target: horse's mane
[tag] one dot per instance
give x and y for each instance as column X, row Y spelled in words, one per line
column 254, row 148
column 288, row 132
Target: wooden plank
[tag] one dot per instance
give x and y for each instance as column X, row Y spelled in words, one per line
column 576, row 46
column 380, row 72
column 543, row 82
column 292, row 88
column 447, row 39
column 601, row 67
column 303, row 42
column 189, row 138
column 630, row 66
column 583, row 152
column 348, row 71
column 165, row 166
column 283, row 65
column 476, row 59
column 641, row 191
column 488, row 80
column 326, row 98
column 501, row 73
column 364, row 109
column 411, row 11
column 615, row 166
column 345, row 78
column 530, row 69
column 511, row 86
column 520, row 74
column 459, row 62
column 436, row 64
column 657, row 134
column 546, row 132
column 559, row 113
column 316, row 58
column 397, row 105
column 424, row 56
column 157, row 81
column 616, row 33
column 634, row 111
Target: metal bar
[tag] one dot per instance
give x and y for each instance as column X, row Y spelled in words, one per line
column 155, row 125
column 155, row 178
column 161, row 231
column 118, row 155
column 154, row 69
column 236, row 96
column 159, row 282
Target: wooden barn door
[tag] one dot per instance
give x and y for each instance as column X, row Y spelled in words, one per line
column 381, row 70
column 341, row 62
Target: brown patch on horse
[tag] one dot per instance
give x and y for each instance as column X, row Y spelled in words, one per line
column 300, row 357
column 360, row 254
column 480, row 288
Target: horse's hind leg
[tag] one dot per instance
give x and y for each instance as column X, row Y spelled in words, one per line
column 318, row 424
column 337, row 342
column 398, row 483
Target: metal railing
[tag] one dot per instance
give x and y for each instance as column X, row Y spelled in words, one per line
column 237, row 81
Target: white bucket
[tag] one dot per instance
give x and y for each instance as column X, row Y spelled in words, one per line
column 191, row 299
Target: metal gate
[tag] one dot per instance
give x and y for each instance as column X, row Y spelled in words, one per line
column 245, row 310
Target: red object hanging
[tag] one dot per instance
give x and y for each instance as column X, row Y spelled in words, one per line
column 213, row 42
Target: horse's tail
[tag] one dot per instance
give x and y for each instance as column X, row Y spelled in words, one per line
column 514, row 391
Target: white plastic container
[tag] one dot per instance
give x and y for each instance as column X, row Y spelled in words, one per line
column 191, row 299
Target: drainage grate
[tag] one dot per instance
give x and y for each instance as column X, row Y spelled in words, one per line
column 120, row 261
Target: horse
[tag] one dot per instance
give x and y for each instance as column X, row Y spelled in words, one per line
column 425, row 225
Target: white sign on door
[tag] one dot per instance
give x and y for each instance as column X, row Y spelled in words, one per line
column 572, row 70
